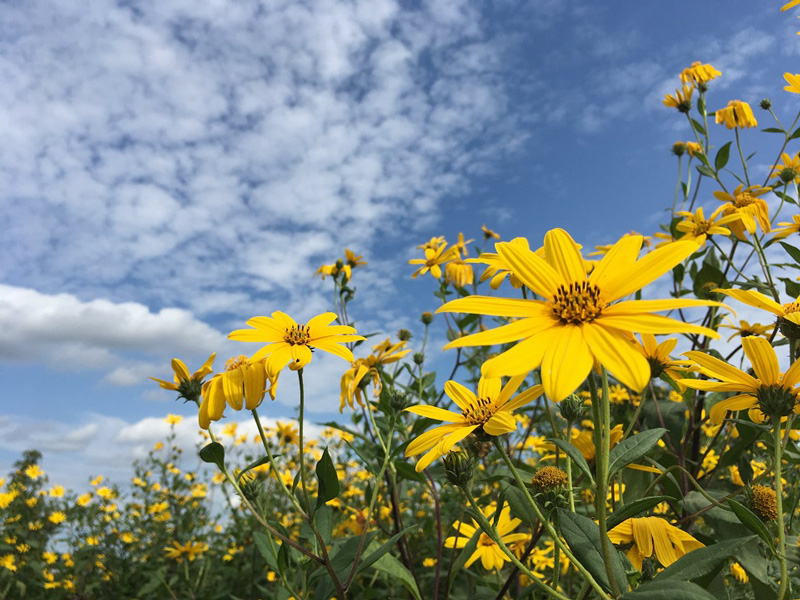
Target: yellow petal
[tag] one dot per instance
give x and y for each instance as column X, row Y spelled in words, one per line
column 648, row 269
column 500, row 423
column 763, row 359
column 523, row 398
column 724, row 371
column 509, row 388
column 562, row 253
column 320, row 322
column 532, row 270
column 642, row 536
column 665, row 552
column 429, row 439
column 522, row 358
column 740, row 402
column 456, row 436
column 433, row 412
column 232, row 384
column 792, row 376
column 489, row 387
column 618, row 354
column 756, row 299
column 462, row 396
column 181, row 372
column 504, row 334
column 333, row 347
column 647, row 323
column 496, row 307
column 618, row 259
column 566, row 363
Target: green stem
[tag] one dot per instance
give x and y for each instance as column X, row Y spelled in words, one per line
column 601, row 413
column 765, row 266
column 491, row 531
column 302, row 448
column 547, row 525
column 635, row 414
column 741, row 156
column 569, row 470
column 784, row 587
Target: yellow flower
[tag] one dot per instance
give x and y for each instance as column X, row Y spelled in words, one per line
column 793, row 81
column 497, row 269
column 789, row 311
column 788, row 228
column 488, row 233
column 97, row 480
column 429, row 562
column 744, row 329
column 737, row 570
column 736, row 114
column 788, row 170
column 33, row 471
column 190, row 549
column 351, row 383
column 458, row 272
column 287, row 433
column 584, row 441
column 106, row 493
column 290, row 342
column 8, row 561
column 657, row 356
column 790, row 4
column 435, row 257
column 57, row 491
column 693, row 148
column 576, row 324
column 49, row 557
column 749, row 206
column 243, row 381
column 682, row 100
column 92, row 540
column 650, row 534
column 699, row 73
column 491, row 410
column 187, row 385
column 173, row 419
column 697, row 228
column 487, row 551
column 766, row 394
column 84, row 499
column 57, row 517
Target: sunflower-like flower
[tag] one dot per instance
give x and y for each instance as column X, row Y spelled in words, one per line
column 657, row 356
column 744, row 329
column 489, row 553
column 187, row 386
column 788, row 314
column 351, row 383
column 653, row 534
column 491, row 410
column 787, row 228
column 489, row 234
column 788, row 170
column 290, row 342
column 751, row 208
column 242, row 382
column 458, row 272
column 769, row 393
column 682, row 100
column 577, row 323
column 736, row 114
column 496, row 268
column 699, row 73
column 693, row 149
column 344, row 267
column 436, row 254
column 190, row 550
column 695, row 226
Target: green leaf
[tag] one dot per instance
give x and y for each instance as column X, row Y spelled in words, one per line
column 795, row 134
column 772, row 130
column 396, row 570
column 520, row 507
column 256, row 463
column 632, row 449
column 704, row 170
column 668, row 590
column 265, row 549
column 792, row 251
column 461, row 559
column 722, row 156
column 407, row 471
column 634, row 508
column 374, row 552
column 214, row 453
column 327, row 478
column 583, row 537
column 698, row 126
column 575, row 455
column 323, row 519
column 749, row 519
column 792, row 287
column 703, row 560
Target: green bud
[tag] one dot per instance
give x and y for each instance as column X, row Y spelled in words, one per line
column 419, row 358
column 766, row 104
column 572, row 408
column 404, row 335
column 426, row 318
column 458, row 466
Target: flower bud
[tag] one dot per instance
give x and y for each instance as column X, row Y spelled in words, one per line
column 678, row 148
column 458, row 467
column 404, row 335
column 775, row 401
column 550, row 487
column 397, row 400
column 766, row 104
column 426, row 318
column 572, row 408
column 419, row 358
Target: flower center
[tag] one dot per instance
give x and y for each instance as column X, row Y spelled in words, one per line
column 743, row 199
column 791, row 307
column 485, row 540
column 297, row 335
column 480, row 412
column 578, row 303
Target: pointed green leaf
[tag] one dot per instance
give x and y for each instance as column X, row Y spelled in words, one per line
column 327, row 479
column 632, row 449
column 214, row 453
column 668, row 590
column 575, row 455
column 722, row 156
column 703, row 560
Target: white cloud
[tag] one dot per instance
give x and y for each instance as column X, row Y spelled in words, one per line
column 204, row 153
column 61, row 330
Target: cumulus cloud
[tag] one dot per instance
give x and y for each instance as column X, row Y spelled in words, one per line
column 61, row 330
column 202, row 154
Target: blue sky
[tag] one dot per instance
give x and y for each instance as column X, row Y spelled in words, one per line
column 171, row 169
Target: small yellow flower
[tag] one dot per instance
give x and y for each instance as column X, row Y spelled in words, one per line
column 737, row 570
column 488, row 233
column 793, row 81
column 653, row 534
column 435, row 257
column 699, row 73
column 354, row 380
column 97, row 480
column 190, row 550
column 696, row 228
column 487, row 551
column 187, row 385
column 106, row 493
column 84, row 499
column 429, row 562
column 693, row 149
column 491, row 410
column 744, row 329
column 57, row 491
column 57, row 517
column 242, row 382
column 788, row 170
column 173, row 419
column 749, row 206
column 682, row 100
column 8, row 561
column 92, row 540
column 736, row 114
column 33, row 471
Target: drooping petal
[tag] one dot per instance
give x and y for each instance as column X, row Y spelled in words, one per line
column 500, row 423
column 792, row 376
column 566, row 363
column 722, row 370
column 740, row 402
column 232, row 384
column 281, row 355
column 429, row 439
column 762, row 357
column 333, row 347
column 665, row 552
column 618, row 354
column 754, row 298
column 255, row 383
column 181, row 372
column 642, row 536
